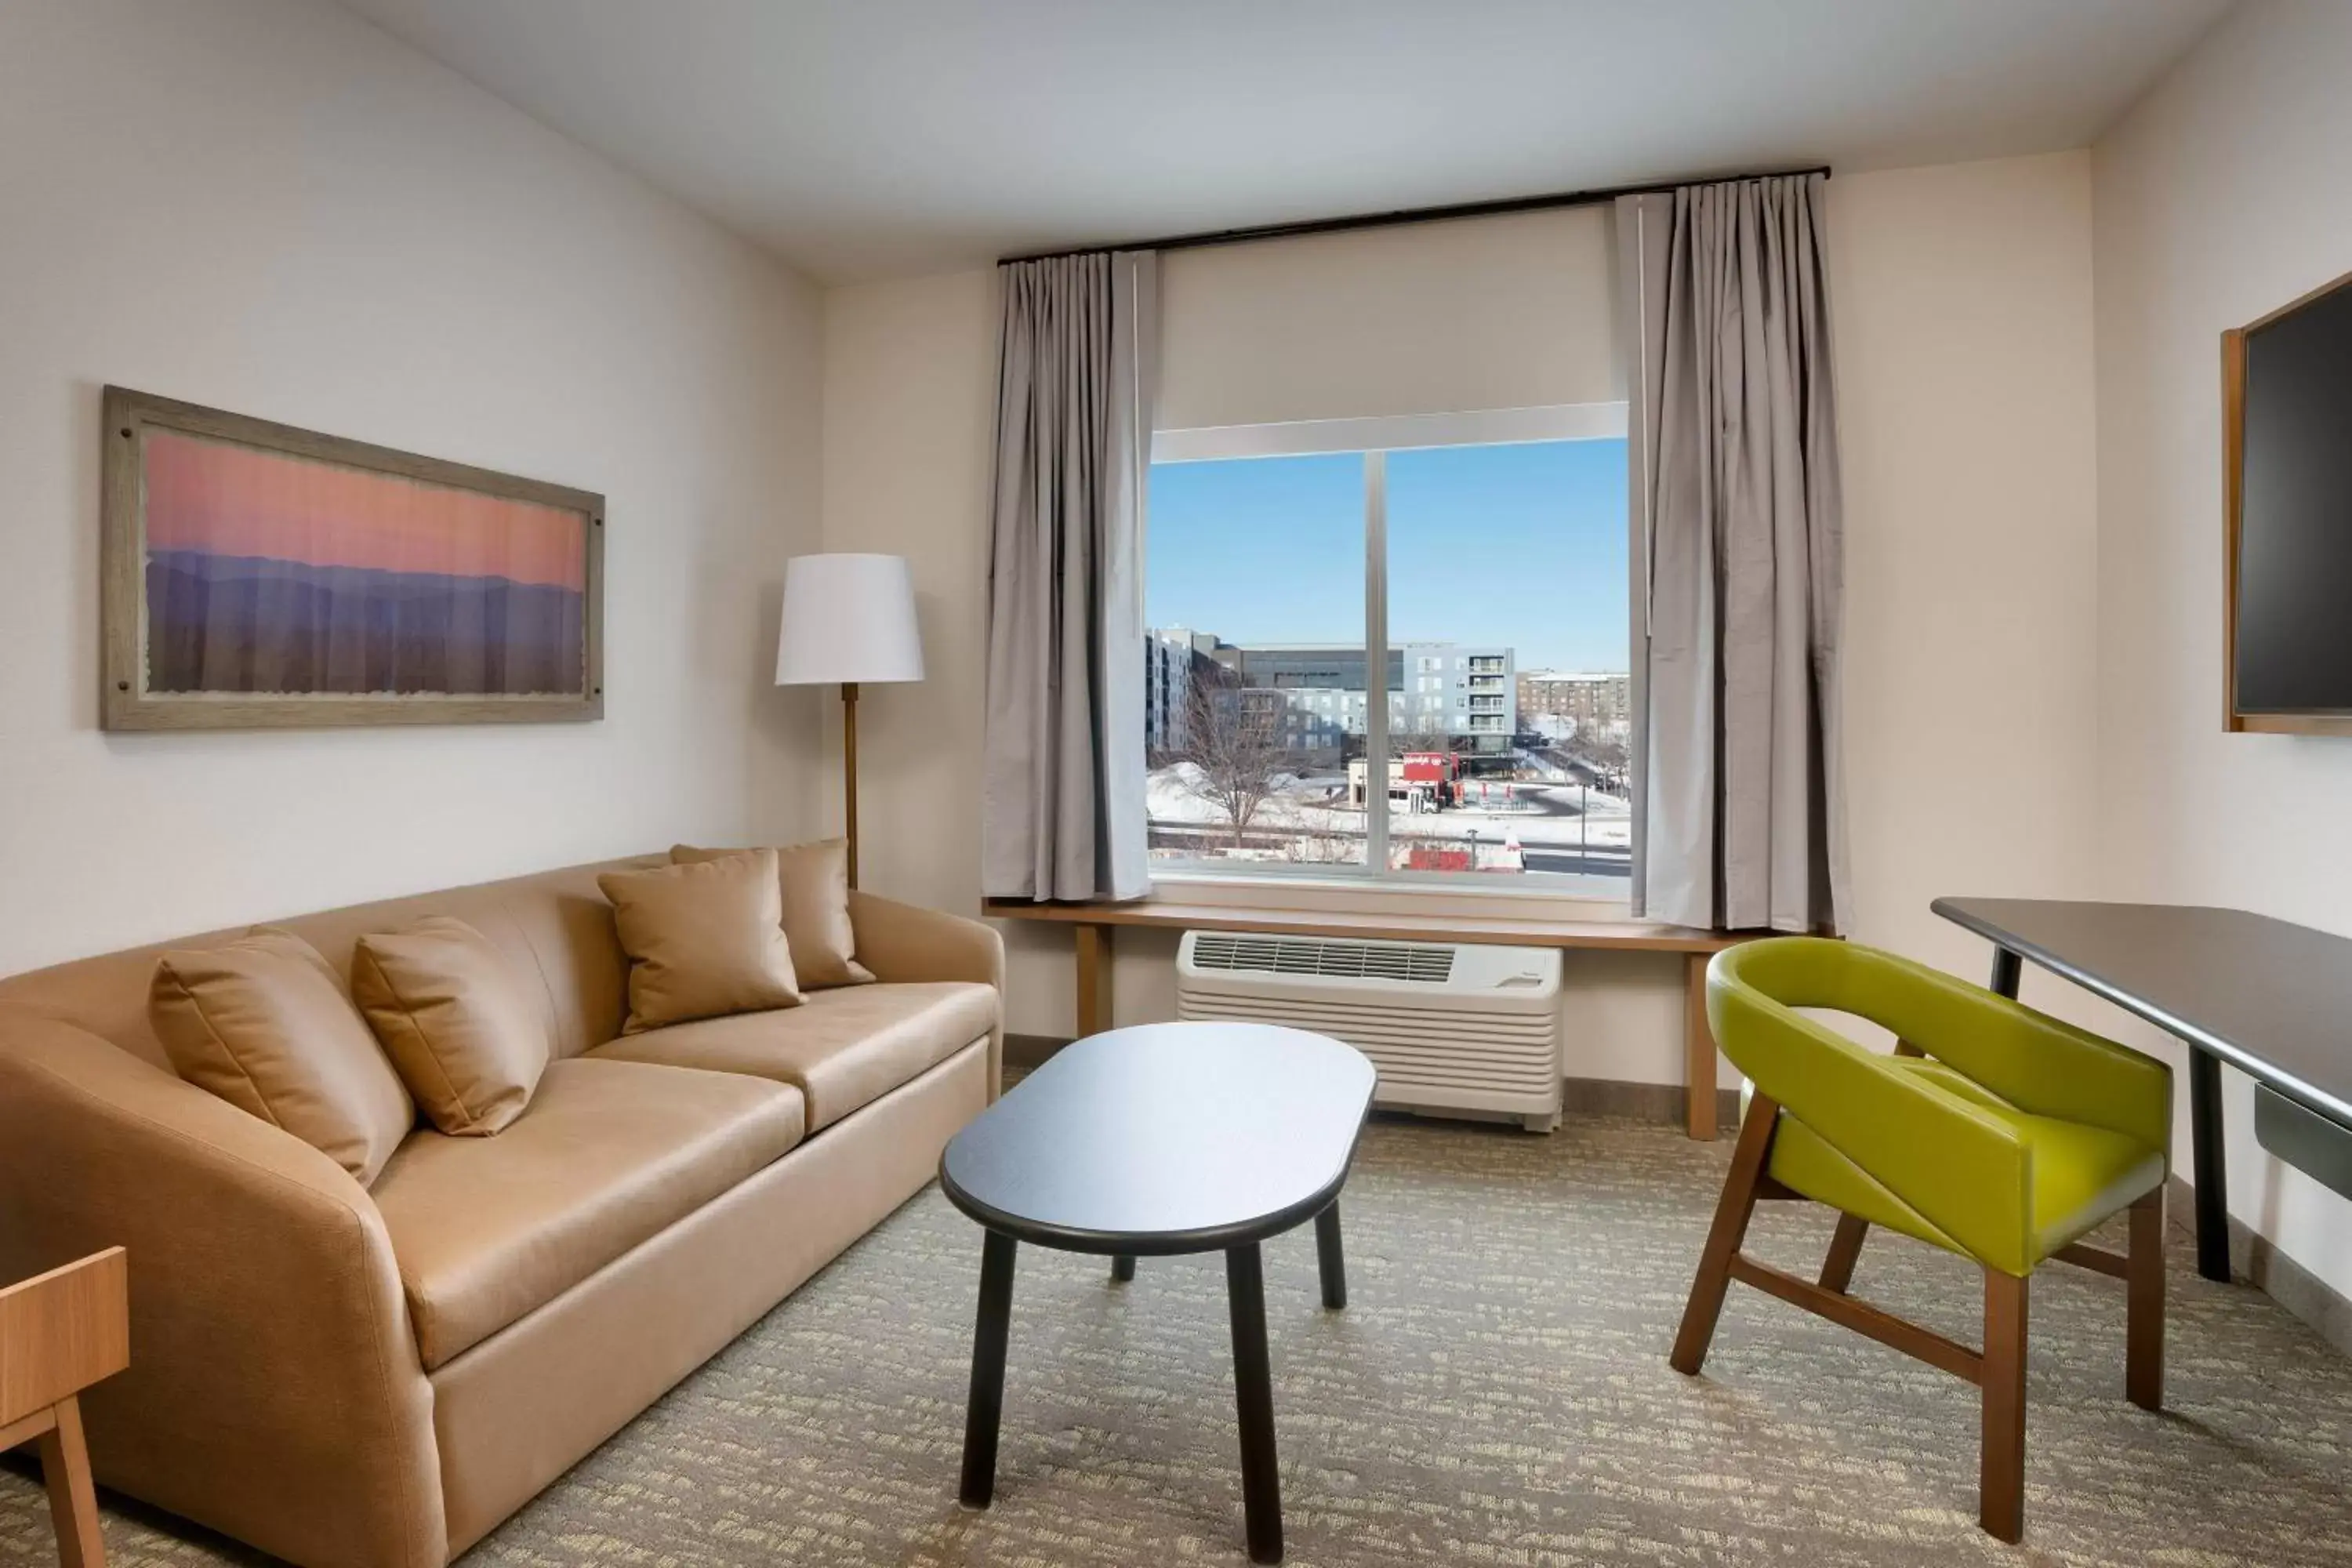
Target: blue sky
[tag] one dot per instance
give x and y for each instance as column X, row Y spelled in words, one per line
column 1522, row 545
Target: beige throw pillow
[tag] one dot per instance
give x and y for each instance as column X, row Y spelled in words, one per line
column 263, row 1023
column 703, row 938
column 465, row 1030
column 814, row 880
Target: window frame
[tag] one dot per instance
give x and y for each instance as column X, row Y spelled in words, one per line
column 1374, row 439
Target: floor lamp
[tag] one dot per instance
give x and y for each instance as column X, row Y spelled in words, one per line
column 849, row 620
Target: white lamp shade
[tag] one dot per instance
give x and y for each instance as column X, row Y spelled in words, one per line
column 848, row 617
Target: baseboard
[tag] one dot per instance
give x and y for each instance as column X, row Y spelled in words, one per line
column 1661, row 1102
column 2254, row 1260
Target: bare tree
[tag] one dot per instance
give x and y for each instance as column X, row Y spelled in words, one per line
column 1602, row 750
column 1234, row 735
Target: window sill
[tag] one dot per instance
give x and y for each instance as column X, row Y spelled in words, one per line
column 1362, row 895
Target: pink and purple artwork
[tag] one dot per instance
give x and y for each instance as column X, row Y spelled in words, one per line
column 268, row 574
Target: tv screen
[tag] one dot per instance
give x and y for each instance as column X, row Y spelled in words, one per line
column 2294, row 536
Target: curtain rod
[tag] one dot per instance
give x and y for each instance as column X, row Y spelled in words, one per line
column 1406, row 215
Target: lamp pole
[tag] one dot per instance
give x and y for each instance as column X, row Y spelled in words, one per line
column 849, row 770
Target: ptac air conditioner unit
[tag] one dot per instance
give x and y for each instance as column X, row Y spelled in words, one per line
column 1460, row 1029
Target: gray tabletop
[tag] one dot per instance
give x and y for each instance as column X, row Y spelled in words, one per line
column 1165, row 1138
column 2270, row 997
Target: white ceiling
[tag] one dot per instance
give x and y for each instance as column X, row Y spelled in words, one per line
column 863, row 138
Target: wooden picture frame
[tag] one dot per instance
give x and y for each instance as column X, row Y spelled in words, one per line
column 2233, row 483
column 310, row 580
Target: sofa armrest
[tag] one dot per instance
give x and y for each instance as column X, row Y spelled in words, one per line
column 907, row 943
column 274, row 1391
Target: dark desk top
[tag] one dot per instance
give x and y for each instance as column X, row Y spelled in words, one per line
column 1165, row 1138
column 2266, row 996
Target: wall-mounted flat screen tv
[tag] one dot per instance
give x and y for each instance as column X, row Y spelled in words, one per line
column 2287, row 444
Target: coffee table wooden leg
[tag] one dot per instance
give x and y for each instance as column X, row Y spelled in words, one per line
column 1122, row 1266
column 1254, row 1396
column 986, row 1409
column 1329, row 1257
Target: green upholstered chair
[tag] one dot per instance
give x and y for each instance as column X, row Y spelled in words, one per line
column 1995, row 1131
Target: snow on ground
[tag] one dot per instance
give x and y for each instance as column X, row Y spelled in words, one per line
column 1179, row 793
column 1539, row 815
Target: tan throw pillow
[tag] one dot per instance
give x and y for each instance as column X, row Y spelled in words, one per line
column 814, row 880
column 263, row 1023
column 464, row 1029
column 704, row 938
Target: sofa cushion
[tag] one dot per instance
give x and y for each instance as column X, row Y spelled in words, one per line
column 608, row 1156
column 263, row 1023
column 467, row 1030
column 704, row 939
column 814, row 881
column 842, row 1048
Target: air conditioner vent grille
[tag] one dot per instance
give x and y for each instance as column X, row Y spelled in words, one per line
column 1344, row 960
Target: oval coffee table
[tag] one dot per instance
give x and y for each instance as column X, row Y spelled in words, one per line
column 1154, row 1141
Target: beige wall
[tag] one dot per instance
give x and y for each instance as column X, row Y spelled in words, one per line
column 1437, row 317
column 909, row 418
column 1964, row 349
column 1961, row 308
column 272, row 207
column 2219, row 198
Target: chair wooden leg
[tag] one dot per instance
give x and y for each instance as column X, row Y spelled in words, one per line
column 2143, row 1305
column 1723, row 1236
column 2002, row 1475
column 73, row 1499
column 1845, row 1251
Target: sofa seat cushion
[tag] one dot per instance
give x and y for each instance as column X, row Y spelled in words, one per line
column 608, row 1156
column 842, row 1048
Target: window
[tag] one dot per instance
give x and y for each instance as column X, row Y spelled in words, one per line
column 1253, row 623
column 1484, row 582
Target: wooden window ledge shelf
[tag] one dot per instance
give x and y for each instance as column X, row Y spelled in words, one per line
column 1093, row 923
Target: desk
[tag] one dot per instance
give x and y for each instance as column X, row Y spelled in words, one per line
column 1092, row 925
column 2272, row 1000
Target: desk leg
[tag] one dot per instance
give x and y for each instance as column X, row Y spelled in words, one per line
column 2213, row 1180
column 1094, row 981
column 986, row 1409
column 1698, row 1051
column 2005, row 965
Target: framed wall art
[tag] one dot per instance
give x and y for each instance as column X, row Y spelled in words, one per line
column 255, row 575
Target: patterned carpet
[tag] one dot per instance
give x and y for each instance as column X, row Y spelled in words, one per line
column 1495, row 1393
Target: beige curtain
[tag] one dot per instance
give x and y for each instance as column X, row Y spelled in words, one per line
column 1063, row 777
column 1734, row 484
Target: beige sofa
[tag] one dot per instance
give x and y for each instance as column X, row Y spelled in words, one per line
column 356, row 1377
